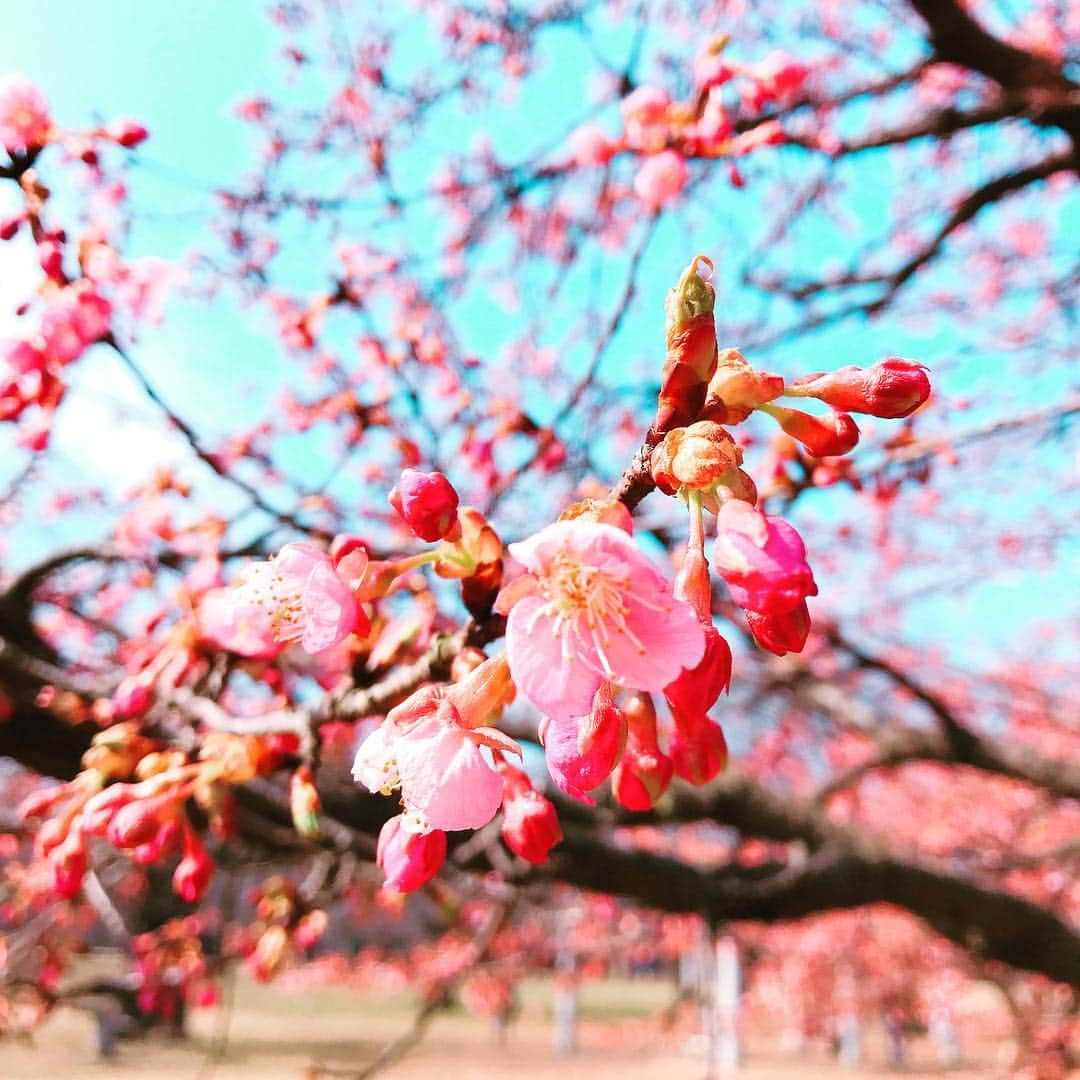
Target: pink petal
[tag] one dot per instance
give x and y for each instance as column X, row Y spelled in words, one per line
column 329, row 609
column 554, row 684
column 446, row 777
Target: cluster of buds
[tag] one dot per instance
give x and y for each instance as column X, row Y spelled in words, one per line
column 285, row 925
column 171, row 968
column 761, row 558
column 134, row 794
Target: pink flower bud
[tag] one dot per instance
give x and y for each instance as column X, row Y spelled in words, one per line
column 131, row 698
column 427, row 502
column 68, row 862
column 762, row 560
column 409, row 859
column 530, row 824
column 892, row 388
column 139, row 822
column 783, row 633
column 698, row 748
column 582, row 751
column 661, row 178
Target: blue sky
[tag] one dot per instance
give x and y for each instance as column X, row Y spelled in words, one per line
column 180, row 68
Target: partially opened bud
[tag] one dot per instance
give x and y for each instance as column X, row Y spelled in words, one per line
column 409, row 859
column 697, row 690
column 892, row 388
column 783, row 633
column 736, row 389
column 530, row 824
column 582, row 751
column 427, row 502
column 696, row 456
column 644, row 772
column 824, row 436
column 698, row 748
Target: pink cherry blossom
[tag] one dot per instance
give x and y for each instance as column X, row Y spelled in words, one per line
column 306, row 600
column 429, row 746
column 24, row 114
column 661, row 178
column 590, row 145
column 762, row 559
column 590, row 608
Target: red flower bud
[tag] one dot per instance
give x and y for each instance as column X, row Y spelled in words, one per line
column 581, row 751
column 139, row 822
column 126, row 132
column 530, row 824
column 783, row 633
column 427, row 502
column 697, row 690
column 68, row 862
column 824, row 436
column 698, row 748
column 192, row 876
column 409, row 859
column 644, row 772
column 892, row 388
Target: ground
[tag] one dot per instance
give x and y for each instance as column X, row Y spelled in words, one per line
column 272, row 1035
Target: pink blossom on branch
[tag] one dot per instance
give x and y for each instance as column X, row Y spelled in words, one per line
column 661, row 178
column 25, row 123
column 591, row 608
column 304, row 597
column 429, row 747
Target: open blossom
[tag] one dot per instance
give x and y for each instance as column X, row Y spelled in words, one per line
column 762, row 559
column 429, row 746
column 590, row 146
column 304, row 597
column 24, row 114
column 661, row 178
column 590, row 608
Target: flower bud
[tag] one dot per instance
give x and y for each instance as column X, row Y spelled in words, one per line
column 304, row 802
column 427, row 503
column 644, row 772
column 762, row 559
column 696, row 690
column 68, row 861
column 530, row 824
column 192, row 876
column 582, row 751
column 698, row 748
column 126, row 132
column 409, row 859
column 783, row 633
column 892, row 388
column 696, row 456
column 691, row 347
column 736, row 389
column 603, row 511
column 824, row 436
